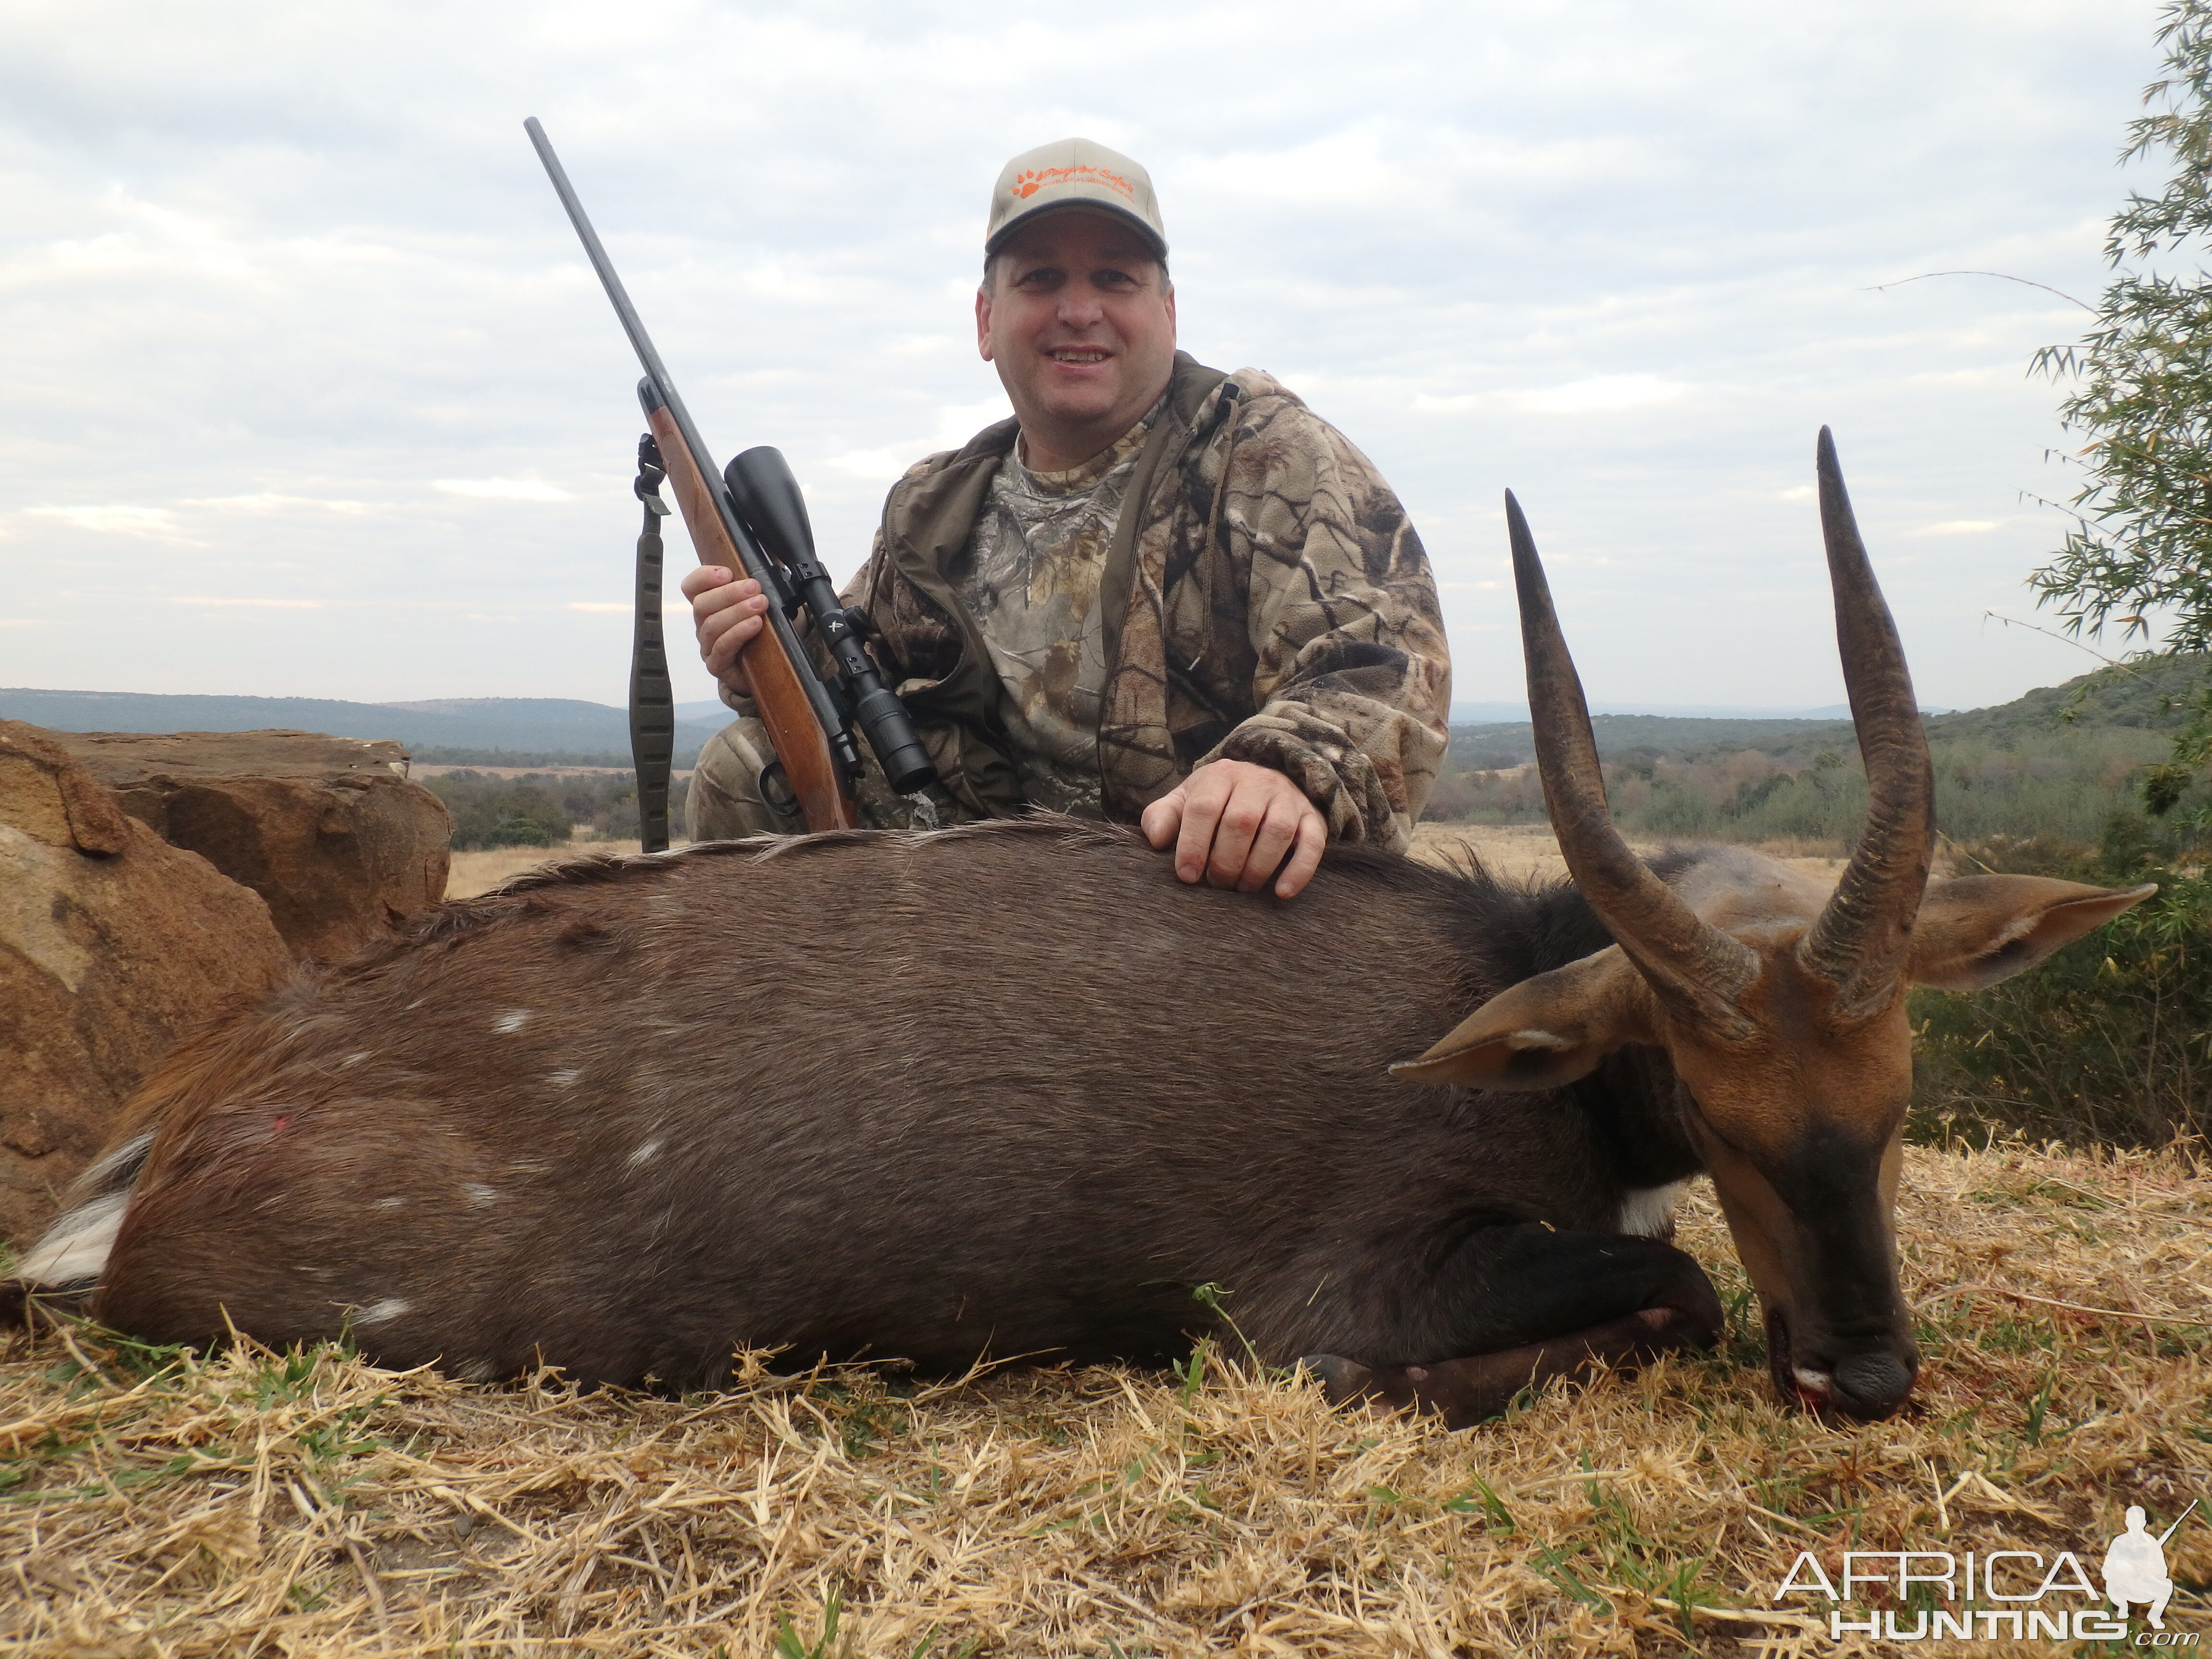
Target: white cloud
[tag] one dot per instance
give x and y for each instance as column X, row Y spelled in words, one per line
column 1956, row 527
column 266, row 500
column 249, row 603
column 158, row 523
column 875, row 465
column 502, row 489
column 1605, row 393
column 269, row 269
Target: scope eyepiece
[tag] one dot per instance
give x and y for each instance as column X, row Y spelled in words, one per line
column 891, row 734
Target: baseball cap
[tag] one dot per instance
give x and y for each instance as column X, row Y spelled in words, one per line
column 1073, row 173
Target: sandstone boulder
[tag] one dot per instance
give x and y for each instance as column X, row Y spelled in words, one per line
column 112, row 946
column 328, row 830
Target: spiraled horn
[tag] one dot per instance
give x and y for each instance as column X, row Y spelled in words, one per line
column 1859, row 942
column 1694, row 966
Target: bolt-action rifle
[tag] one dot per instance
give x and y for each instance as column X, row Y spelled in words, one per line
column 751, row 521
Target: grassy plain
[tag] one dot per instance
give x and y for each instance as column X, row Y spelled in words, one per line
column 1520, row 851
column 248, row 1502
column 155, row 1503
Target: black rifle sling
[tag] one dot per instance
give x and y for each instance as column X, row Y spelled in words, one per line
column 652, row 699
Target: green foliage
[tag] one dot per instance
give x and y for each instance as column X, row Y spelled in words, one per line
column 543, row 809
column 790, row 1644
column 2111, row 1040
column 2051, row 762
column 2143, row 401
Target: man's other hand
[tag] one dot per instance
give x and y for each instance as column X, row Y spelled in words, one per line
column 1235, row 825
column 727, row 612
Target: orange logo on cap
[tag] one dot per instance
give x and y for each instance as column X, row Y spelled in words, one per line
column 1028, row 182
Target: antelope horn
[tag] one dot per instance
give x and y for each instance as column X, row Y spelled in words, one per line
column 1694, row 966
column 1859, row 943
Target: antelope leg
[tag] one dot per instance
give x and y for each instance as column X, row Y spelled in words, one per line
column 1466, row 1388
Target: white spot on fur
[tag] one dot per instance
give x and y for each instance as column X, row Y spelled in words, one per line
column 564, row 1078
column 478, row 1370
column 1649, row 1211
column 395, row 1203
column 130, row 1151
column 479, row 1194
column 644, row 1154
column 380, row 1313
column 512, row 1021
column 76, row 1247
column 1534, row 1039
column 1813, row 1383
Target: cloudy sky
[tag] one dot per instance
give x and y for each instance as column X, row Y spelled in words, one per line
column 307, row 391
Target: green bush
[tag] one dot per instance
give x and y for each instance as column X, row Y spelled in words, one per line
column 2111, row 1040
column 541, row 809
column 518, row 832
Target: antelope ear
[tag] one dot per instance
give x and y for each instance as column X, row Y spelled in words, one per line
column 1973, row 931
column 1544, row 1032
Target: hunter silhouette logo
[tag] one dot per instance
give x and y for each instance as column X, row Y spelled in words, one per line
column 1031, row 181
column 2134, row 1567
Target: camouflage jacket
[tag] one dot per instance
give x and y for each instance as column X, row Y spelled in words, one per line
column 1265, row 600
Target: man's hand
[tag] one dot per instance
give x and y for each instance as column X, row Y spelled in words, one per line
column 1236, row 825
column 727, row 612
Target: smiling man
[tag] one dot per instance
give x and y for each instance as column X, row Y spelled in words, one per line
column 1159, row 594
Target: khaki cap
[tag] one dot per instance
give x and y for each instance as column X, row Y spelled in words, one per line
column 1073, row 173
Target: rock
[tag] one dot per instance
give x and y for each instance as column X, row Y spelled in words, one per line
column 328, row 830
column 112, row 946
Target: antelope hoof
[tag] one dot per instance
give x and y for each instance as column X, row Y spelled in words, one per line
column 1344, row 1381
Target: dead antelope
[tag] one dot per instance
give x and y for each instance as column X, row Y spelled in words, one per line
column 575, row 1122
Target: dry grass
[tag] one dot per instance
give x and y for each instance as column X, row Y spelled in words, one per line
column 479, row 872
column 1525, row 850
column 1517, row 851
column 309, row 1504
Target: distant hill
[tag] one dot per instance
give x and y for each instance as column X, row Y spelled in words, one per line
column 2058, row 762
column 1487, row 747
column 1516, row 714
column 535, row 730
column 2139, row 697
column 555, row 730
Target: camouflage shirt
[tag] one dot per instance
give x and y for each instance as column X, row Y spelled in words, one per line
column 1029, row 576
column 1263, row 598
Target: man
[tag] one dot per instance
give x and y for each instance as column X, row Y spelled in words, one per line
column 2134, row 1569
column 1160, row 593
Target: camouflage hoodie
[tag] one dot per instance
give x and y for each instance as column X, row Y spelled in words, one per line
column 1265, row 599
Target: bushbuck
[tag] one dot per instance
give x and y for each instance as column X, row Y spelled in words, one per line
column 1011, row 1089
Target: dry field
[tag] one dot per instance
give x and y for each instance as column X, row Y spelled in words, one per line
column 252, row 1503
column 1530, row 850
column 480, row 871
column 1521, row 850
column 156, row 1503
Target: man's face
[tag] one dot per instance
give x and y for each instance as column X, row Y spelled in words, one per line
column 1080, row 328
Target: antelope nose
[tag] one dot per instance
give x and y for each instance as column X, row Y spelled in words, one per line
column 1871, row 1385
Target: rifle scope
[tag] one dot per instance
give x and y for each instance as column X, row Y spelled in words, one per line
column 767, row 498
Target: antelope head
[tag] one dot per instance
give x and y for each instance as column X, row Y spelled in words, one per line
column 1780, row 1003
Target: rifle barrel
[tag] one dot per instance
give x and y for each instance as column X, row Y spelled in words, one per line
column 2175, row 1527
column 756, row 563
column 641, row 342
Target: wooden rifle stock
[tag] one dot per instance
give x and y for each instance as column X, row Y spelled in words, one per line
column 792, row 727
column 805, row 723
